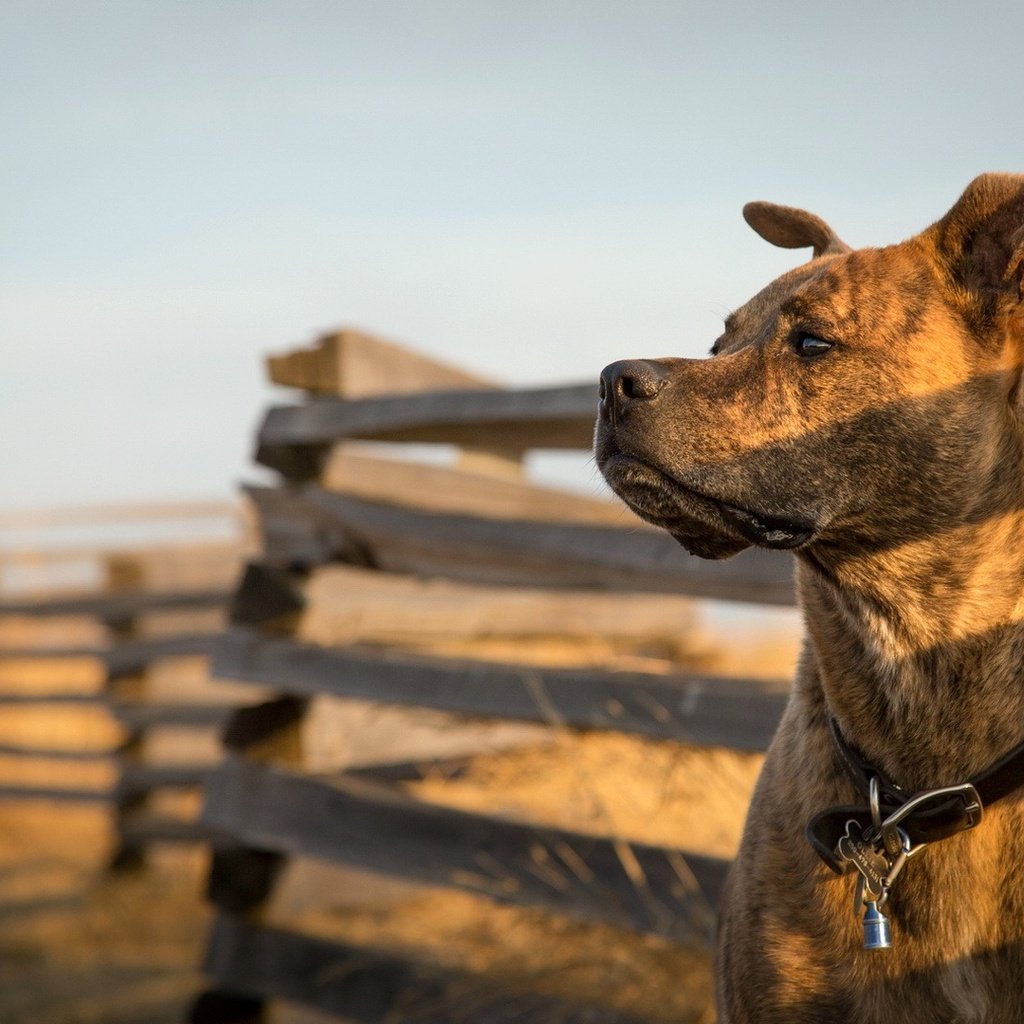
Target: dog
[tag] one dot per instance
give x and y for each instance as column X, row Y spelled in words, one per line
column 865, row 411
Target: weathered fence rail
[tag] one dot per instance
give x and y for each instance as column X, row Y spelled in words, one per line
column 344, row 611
column 309, row 525
column 367, row 825
column 697, row 709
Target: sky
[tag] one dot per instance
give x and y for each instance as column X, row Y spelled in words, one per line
column 527, row 189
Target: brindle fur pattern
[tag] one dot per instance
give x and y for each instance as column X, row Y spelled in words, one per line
column 900, row 455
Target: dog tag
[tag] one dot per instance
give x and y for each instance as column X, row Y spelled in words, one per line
column 869, row 862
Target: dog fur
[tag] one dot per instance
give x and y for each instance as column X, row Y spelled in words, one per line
column 892, row 463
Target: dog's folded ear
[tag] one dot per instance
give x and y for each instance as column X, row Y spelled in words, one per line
column 791, row 228
column 981, row 239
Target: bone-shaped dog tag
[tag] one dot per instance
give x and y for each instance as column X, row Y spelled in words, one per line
column 869, row 862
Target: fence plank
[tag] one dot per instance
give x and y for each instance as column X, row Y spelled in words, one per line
column 371, row 826
column 143, row 715
column 50, row 697
column 311, row 526
column 58, row 795
column 551, row 417
column 736, row 713
column 56, row 753
column 114, row 606
column 266, row 594
column 140, row 779
column 365, row 985
column 134, row 655
column 444, row 489
column 346, row 604
column 354, row 364
column 21, row 653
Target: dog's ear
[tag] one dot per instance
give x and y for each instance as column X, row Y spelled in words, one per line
column 790, row 228
column 981, row 240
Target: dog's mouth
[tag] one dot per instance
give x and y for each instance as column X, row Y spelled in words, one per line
column 704, row 525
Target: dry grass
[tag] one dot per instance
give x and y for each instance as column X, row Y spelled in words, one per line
column 627, row 787
column 515, row 949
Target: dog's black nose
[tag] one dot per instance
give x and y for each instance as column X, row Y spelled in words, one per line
column 628, row 382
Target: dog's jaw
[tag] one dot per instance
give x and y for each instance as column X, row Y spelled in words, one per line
column 704, row 525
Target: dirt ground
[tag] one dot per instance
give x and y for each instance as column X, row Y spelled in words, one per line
column 79, row 946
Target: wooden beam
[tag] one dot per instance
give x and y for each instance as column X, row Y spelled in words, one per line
column 551, row 417
column 293, row 462
column 173, row 567
column 138, row 779
column 369, row 825
column 21, row 653
column 266, row 725
column 355, row 365
column 56, row 754
column 346, row 604
column 141, row 828
column 296, row 535
column 54, row 793
column 116, row 606
column 117, row 514
column 444, row 489
column 132, row 655
column 265, row 594
column 737, row 713
column 364, row 986
column 242, row 880
column 310, row 523
column 330, row 735
column 50, row 697
column 143, row 715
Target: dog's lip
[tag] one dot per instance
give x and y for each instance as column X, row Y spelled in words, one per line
column 655, row 484
column 768, row 531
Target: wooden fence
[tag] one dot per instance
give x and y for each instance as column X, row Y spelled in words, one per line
column 105, row 636
column 411, row 620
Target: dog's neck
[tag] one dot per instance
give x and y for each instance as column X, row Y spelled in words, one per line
column 918, row 650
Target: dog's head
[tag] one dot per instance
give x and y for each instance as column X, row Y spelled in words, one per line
column 868, row 394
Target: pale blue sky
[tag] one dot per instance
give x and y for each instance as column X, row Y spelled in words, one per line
column 528, row 188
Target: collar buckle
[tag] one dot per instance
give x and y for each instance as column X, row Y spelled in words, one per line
column 936, row 800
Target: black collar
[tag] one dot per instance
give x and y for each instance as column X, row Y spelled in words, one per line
column 937, row 816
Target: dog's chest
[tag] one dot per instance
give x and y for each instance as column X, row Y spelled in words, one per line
column 964, row 987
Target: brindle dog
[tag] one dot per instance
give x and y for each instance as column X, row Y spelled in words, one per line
column 866, row 411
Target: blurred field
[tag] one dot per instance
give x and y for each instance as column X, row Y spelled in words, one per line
column 79, row 945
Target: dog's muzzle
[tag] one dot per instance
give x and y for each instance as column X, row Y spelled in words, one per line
column 702, row 522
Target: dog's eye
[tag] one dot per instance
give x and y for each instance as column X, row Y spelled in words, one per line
column 810, row 345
